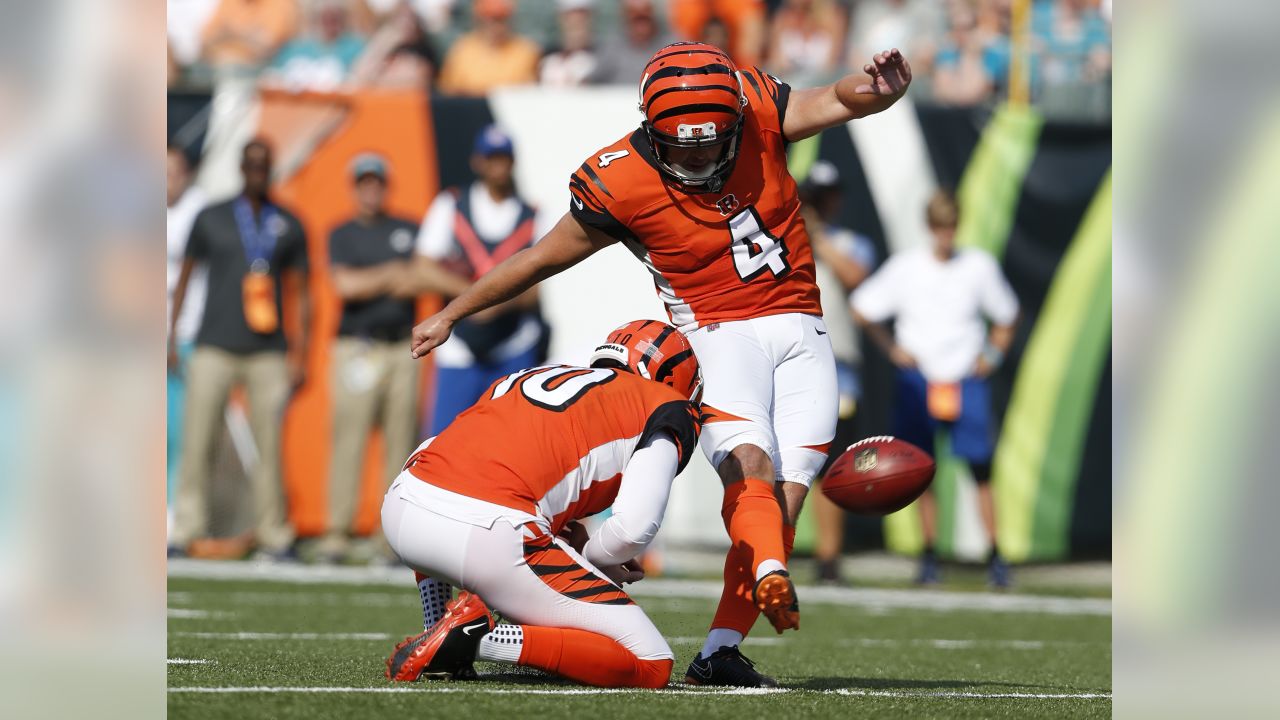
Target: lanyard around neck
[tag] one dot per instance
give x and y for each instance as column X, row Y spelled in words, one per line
column 258, row 238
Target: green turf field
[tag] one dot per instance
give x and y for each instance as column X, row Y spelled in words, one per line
column 256, row 648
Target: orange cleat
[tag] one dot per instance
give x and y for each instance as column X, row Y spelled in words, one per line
column 448, row 648
column 775, row 596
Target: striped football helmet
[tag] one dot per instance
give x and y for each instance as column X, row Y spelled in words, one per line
column 653, row 350
column 691, row 97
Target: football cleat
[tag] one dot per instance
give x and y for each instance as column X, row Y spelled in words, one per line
column 775, row 596
column 726, row 667
column 448, row 648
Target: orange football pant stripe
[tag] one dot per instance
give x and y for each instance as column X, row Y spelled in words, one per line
column 590, row 659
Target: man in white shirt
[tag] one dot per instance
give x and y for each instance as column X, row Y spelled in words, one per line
column 184, row 201
column 942, row 299
column 467, row 231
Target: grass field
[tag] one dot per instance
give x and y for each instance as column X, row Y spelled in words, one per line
column 247, row 648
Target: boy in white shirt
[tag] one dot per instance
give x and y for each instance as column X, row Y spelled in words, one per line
column 942, row 299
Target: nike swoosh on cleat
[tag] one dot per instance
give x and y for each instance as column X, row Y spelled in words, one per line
column 703, row 674
column 467, row 629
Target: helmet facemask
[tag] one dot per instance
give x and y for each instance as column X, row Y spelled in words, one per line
column 711, row 177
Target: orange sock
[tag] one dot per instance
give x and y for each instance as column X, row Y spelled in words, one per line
column 590, row 659
column 754, row 520
column 736, row 611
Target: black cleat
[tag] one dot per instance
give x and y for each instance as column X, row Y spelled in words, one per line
column 726, row 667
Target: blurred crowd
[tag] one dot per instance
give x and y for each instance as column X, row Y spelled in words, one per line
column 961, row 50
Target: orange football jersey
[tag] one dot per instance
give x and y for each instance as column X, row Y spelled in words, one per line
column 553, row 441
column 735, row 254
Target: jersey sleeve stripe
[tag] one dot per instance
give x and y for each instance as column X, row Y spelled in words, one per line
column 596, row 179
column 585, row 195
column 695, row 108
column 755, row 84
column 679, row 419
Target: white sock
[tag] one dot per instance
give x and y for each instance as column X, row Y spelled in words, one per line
column 435, row 595
column 503, row 644
column 767, row 567
column 718, row 638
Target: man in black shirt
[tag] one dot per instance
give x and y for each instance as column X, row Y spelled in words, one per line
column 375, row 380
column 252, row 248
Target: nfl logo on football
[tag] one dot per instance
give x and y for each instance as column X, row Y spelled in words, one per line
column 865, row 461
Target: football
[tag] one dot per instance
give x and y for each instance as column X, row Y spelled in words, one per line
column 878, row 476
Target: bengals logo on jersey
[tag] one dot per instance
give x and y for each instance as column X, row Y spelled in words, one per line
column 727, row 204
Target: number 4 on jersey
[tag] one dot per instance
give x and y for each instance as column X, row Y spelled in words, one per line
column 609, row 157
column 754, row 249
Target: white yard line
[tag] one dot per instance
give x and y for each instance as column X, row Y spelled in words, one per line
column 281, row 636
column 193, row 614
column 188, row 661
column 943, row 644
column 699, row 639
column 669, row 691
column 870, row 599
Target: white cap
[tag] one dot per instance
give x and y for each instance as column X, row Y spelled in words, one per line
column 823, row 174
column 568, row 5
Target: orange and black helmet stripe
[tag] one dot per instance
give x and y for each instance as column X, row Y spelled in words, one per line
column 690, row 84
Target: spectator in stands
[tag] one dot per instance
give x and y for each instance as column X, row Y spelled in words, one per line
column 941, row 298
column 185, row 21
column 184, row 202
column 964, row 73
column 238, row 41
column 1074, row 40
column 468, row 232
column 399, row 55
column 491, row 55
column 744, row 20
column 905, row 24
column 252, row 248
column 573, row 62
column 843, row 259
column 242, row 36
column 321, row 59
column 807, row 39
column 630, row 49
column 374, row 380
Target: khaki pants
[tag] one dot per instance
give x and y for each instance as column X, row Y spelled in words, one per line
column 374, row 383
column 211, row 374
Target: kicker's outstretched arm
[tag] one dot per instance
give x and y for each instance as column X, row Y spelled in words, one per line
column 566, row 245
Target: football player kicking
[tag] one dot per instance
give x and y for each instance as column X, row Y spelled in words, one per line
column 482, row 504
column 701, row 195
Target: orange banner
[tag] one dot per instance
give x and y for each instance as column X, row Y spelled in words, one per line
column 315, row 136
